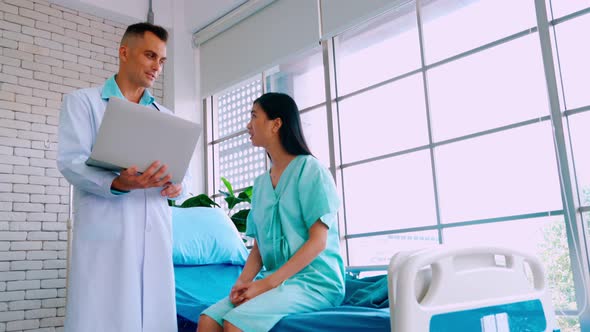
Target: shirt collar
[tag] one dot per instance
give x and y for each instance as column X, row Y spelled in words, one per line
column 111, row 89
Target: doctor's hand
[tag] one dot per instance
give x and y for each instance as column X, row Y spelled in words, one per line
column 172, row 190
column 249, row 290
column 154, row 176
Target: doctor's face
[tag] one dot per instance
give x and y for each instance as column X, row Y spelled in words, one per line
column 262, row 130
column 142, row 59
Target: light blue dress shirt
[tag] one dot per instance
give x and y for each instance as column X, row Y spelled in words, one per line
column 111, row 89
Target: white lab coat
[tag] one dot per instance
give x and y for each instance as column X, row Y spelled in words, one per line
column 121, row 276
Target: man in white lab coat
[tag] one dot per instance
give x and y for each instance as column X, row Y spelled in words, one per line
column 121, row 276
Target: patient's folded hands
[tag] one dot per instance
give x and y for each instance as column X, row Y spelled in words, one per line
column 235, row 295
column 244, row 291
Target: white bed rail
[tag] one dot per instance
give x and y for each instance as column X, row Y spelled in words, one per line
column 440, row 280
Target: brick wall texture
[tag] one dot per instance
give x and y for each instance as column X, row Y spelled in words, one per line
column 45, row 51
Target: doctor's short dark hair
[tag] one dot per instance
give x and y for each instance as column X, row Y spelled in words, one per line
column 139, row 29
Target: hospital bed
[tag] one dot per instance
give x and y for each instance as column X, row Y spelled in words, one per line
column 487, row 289
column 440, row 289
column 198, row 287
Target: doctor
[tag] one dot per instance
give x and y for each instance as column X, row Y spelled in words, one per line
column 121, row 276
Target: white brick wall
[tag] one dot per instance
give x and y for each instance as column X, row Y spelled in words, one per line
column 45, row 51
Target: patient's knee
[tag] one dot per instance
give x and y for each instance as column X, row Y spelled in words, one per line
column 229, row 327
column 208, row 324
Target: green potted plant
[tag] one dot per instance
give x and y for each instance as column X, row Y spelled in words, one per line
column 238, row 218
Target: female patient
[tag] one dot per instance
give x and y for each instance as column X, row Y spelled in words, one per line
column 293, row 222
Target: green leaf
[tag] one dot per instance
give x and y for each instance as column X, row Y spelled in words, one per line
column 228, row 186
column 233, row 201
column 200, row 200
column 249, row 191
column 246, row 195
column 171, row 202
column 243, row 197
column 239, row 218
column 224, row 193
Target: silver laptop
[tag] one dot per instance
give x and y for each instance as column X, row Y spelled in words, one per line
column 132, row 134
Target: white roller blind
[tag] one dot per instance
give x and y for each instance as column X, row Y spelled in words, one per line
column 281, row 29
column 339, row 15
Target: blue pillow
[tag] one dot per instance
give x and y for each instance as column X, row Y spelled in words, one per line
column 203, row 235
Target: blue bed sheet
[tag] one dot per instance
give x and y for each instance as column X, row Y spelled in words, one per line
column 343, row 318
column 198, row 287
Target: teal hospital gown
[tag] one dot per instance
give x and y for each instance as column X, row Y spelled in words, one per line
column 279, row 220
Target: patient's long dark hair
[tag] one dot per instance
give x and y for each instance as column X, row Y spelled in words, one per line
column 280, row 105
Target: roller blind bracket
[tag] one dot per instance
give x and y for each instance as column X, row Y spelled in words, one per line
column 229, row 20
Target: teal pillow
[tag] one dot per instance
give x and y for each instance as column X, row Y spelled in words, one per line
column 203, row 235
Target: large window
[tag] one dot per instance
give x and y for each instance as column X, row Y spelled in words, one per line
column 365, row 117
column 449, row 140
column 573, row 68
column 444, row 134
column 303, row 79
column 233, row 156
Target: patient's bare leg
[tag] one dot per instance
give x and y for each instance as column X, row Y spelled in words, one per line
column 229, row 327
column 207, row 324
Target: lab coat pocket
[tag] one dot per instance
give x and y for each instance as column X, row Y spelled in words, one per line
column 97, row 219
